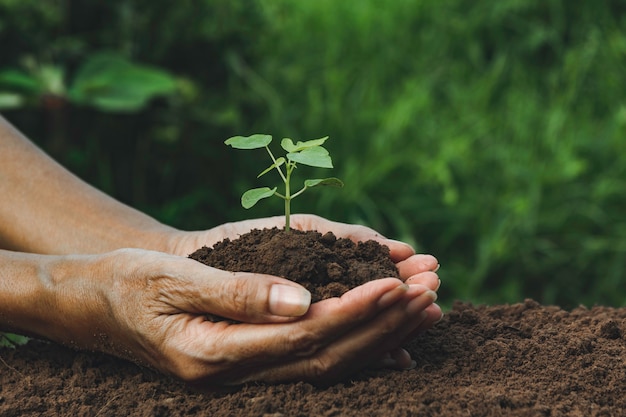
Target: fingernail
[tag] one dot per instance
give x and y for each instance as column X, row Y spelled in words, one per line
column 438, row 285
column 393, row 364
column 437, row 268
column 289, row 301
column 440, row 318
column 418, row 304
column 415, row 290
column 398, row 359
column 431, row 294
column 392, row 296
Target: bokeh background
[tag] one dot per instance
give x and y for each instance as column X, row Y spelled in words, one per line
column 488, row 133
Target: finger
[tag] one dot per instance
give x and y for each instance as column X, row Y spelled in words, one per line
column 399, row 359
column 416, row 264
column 255, row 298
column 402, row 359
column 398, row 251
column 386, row 333
column 231, row 349
column 357, row 233
column 321, row 369
column 433, row 316
column 428, row 279
column 323, row 323
column 361, row 346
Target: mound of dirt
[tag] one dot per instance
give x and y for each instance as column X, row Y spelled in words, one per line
column 323, row 264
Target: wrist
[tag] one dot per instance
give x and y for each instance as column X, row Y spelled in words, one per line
column 25, row 292
column 44, row 296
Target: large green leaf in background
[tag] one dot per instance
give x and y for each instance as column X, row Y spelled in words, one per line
column 10, row 101
column 18, row 80
column 111, row 83
column 18, row 88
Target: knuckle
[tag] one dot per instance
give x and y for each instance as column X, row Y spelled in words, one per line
column 192, row 368
column 330, row 368
column 320, row 368
column 186, row 373
column 304, row 343
column 237, row 296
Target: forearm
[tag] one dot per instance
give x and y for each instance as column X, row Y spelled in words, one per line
column 28, row 293
column 46, row 209
column 23, row 284
column 55, row 297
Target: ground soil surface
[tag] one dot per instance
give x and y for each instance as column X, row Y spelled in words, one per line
column 524, row 359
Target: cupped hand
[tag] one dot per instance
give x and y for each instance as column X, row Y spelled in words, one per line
column 151, row 307
column 420, row 269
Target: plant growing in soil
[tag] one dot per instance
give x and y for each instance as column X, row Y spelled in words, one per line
column 310, row 152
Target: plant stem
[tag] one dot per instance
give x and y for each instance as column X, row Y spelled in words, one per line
column 288, row 198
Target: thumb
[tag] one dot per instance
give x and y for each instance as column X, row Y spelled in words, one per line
column 288, row 300
column 245, row 296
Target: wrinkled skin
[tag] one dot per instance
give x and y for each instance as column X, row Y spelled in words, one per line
column 150, row 307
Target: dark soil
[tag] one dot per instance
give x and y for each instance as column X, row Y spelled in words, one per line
column 508, row 360
column 518, row 360
column 327, row 267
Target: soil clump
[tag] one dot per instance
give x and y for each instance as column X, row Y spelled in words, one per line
column 323, row 264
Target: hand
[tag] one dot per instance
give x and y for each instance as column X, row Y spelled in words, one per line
column 413, row 268
column 150, row 307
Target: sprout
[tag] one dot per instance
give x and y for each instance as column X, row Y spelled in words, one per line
column 310, row 153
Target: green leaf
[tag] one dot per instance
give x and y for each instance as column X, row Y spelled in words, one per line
column 12, row 340
column 52, row 80
column 251, row 197
column 112, row 83
column 280, row 161
column 287, row 144
column 249, row 142
column 11, row 101
column 332, row 182
column 20, row 81
column 315, row 157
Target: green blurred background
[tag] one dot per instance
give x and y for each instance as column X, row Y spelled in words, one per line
column 488, row 133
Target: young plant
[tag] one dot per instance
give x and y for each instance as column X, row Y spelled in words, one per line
column 310, row 153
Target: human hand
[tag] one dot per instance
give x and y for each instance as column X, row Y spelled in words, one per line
column 150, row 307
column 414, row 269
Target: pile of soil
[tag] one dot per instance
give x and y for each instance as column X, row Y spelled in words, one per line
column 327, row 266
column 509, row 360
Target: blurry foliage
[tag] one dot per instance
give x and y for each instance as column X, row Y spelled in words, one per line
column 490, row 134
column 105, row 81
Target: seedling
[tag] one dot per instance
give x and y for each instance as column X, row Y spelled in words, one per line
column 310, row 153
